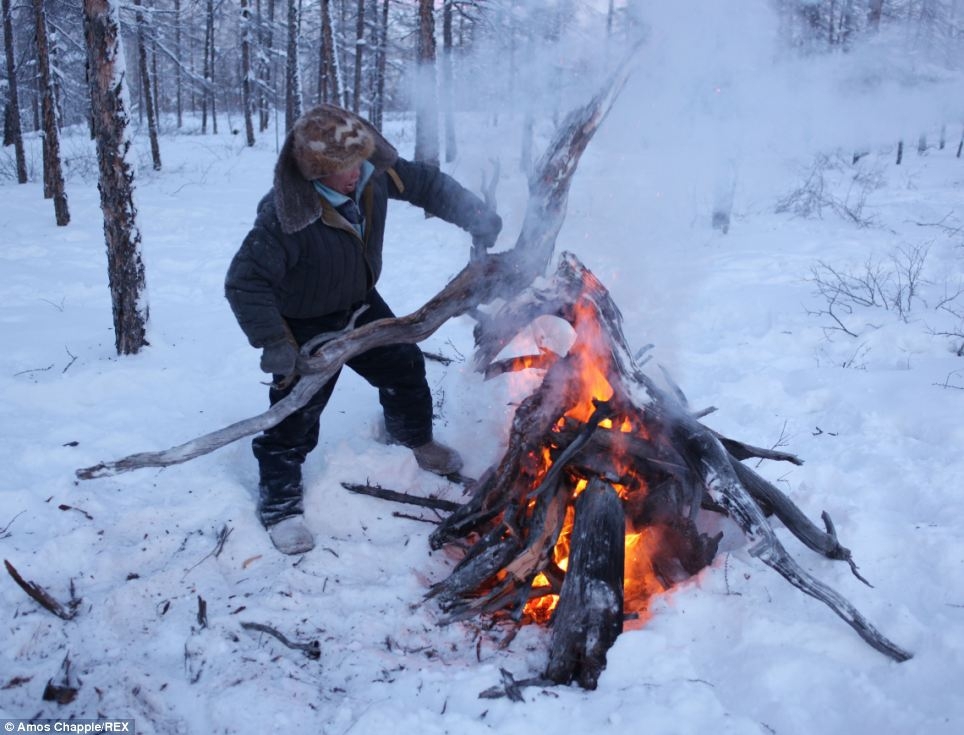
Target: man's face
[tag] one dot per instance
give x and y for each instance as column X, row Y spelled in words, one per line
column 343, row 181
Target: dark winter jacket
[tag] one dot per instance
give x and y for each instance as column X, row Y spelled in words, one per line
column 302, row 259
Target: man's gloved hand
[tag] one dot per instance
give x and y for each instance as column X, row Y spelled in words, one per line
column 279, row 357
column 485, row 230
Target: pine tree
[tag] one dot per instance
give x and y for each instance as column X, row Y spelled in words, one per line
column 115, row 158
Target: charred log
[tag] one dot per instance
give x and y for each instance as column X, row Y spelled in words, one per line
column 589, row 616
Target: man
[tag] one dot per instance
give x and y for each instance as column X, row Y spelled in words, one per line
column 310, row 262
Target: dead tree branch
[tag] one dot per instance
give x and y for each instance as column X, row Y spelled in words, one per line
column 44, row 598
column 312, row 649
column 380, row 492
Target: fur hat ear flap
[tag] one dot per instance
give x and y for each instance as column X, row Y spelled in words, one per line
column 327, row 139
column 296, row 201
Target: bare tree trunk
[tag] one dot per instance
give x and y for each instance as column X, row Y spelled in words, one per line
column 359, row 55
column 847, row 23
column 208, row 42
column 330, row 79
column 378, row 101
column 292, row 77
column 525, row 156
column 322, row 55
column 451, row 151
column 125, row 268
column 426, row 103
column 192, row 61
column 12, row 129
column 53, row 174
column 54, row 54
column 830, row 23
column 212, row 60
column 155, row 78
column 874, row 12
column 266, row 64
column 177, row 66
column 246, row 98
column 148, row 93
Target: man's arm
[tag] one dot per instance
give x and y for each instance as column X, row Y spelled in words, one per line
column 439, row 194
column 257, row 268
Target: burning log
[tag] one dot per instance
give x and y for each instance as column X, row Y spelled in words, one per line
column 589, row 615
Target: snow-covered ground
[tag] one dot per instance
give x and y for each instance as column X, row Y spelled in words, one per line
column 736, row 320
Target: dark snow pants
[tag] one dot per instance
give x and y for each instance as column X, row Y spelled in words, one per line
column 397, row 371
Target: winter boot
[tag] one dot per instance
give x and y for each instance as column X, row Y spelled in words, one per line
column 437, row 458
column 291, row 536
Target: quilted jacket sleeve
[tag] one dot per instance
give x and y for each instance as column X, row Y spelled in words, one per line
column 253, row 278
column 439, row 194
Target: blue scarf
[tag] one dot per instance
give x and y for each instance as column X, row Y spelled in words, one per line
column 337, row 199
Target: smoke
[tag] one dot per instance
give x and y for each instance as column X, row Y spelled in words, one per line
column 718, row 78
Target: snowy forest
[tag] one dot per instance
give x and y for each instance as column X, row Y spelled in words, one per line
column 248, row 65
column 761, row 201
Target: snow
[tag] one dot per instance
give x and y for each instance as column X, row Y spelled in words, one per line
column 734, row 318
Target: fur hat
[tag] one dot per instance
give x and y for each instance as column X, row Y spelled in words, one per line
column 305, row 156
column 327, row 139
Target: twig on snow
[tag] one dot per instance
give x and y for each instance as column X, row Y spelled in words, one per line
column 312, row 650
column 44, row 598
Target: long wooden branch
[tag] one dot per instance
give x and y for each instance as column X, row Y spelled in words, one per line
column 461, row 294
column 482, row 280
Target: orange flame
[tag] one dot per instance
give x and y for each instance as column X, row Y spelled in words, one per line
column 592, row 363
